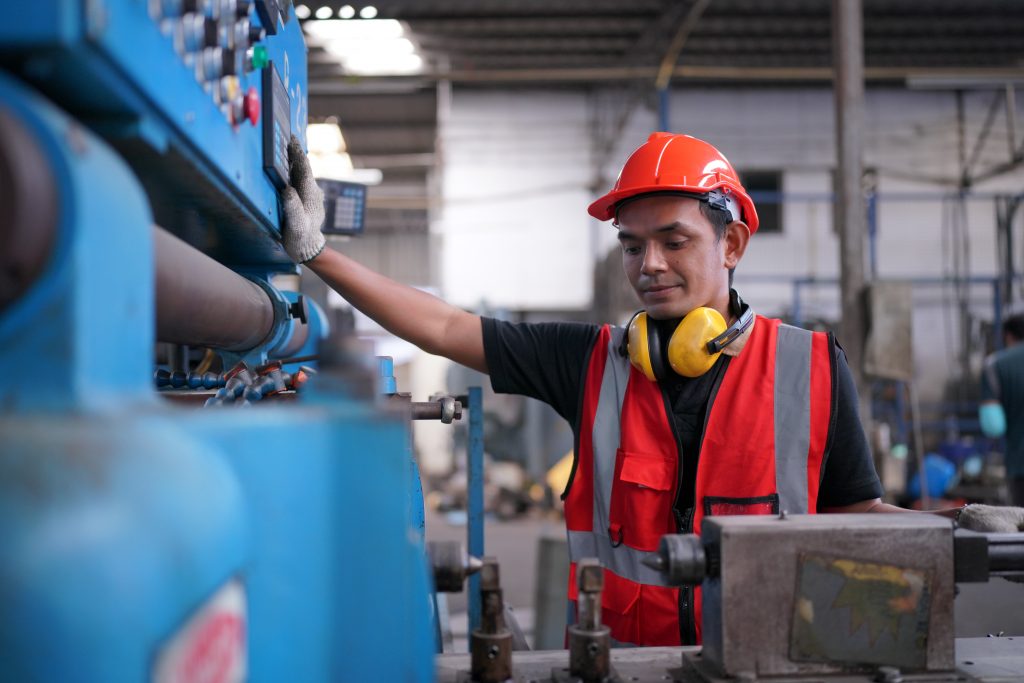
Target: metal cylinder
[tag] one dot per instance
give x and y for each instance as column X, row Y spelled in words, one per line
column 589, row 640
column 29, row 208
column 199, row 302
column 681, row 558
column 451, row 565
column 490, row 646
column 1006, row 554
column 590, row 654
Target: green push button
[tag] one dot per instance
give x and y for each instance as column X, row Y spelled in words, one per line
column 260, row 59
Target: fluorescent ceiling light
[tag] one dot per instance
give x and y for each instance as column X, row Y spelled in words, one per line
column 325, row 138
column 381, row 65
column 339, row 167
column 324, row 13
column 344, row 49
column 368, row 46
column 302, row 12
column 368, row 12
column 373, row 29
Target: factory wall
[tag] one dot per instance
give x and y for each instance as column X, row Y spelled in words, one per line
column 518, row 168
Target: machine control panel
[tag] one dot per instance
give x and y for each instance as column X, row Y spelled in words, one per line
column 277, row 128
column 344, row 207
column 270, row 12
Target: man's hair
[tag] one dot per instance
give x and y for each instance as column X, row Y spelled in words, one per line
column 719, row 219
column 1014, row 326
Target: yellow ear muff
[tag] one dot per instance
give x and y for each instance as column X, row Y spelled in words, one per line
column 639, row 350
column 688, row 349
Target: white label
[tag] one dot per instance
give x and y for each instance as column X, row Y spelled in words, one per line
column 211, row 646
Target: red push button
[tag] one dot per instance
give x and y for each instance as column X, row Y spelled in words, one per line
column 251, row 107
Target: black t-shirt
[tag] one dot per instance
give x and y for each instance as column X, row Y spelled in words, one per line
column 547, row 361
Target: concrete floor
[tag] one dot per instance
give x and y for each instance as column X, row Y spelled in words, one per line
column 981, row 609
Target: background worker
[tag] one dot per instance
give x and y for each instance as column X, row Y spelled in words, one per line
column 699, row 408
column 1002, row 402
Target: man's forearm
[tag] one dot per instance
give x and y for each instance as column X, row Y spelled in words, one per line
column 416, row 316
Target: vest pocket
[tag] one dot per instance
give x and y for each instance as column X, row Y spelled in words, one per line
column 641, row 500
column 721, row 506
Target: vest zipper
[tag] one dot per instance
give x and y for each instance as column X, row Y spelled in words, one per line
column 687, row 631
column 687, row 619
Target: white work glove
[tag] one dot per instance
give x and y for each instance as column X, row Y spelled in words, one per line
column 303, row 204
column 991, row 518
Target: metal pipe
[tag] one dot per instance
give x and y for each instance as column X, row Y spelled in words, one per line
column 199, row 302
column 325, row 82
column 475, row 470
column 848, row 36
column 1005, row 553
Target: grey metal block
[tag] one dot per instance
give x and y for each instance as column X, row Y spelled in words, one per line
column 813, row 594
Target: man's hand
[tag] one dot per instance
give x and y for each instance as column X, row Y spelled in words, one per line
column 303, row 203
column 991, row 518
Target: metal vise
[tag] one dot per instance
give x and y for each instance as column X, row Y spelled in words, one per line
column 818, row 594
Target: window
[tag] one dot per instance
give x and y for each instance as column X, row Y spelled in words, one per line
column 765, row 188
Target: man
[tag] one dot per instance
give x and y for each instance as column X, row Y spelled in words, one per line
column 1002, row 397
column 700, row 408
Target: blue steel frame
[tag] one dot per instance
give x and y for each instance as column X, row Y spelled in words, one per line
column 475, row 471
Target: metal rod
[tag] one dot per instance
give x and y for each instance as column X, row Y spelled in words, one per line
column 671, row 56
column 915, row 418
column 475, row 522
column 326, row 83
column 848, row 36
column 1011, row 118
column 199, row 302
column 1005, row 553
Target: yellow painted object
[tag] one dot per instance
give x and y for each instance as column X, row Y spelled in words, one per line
column 557, row 477
column 688, row 349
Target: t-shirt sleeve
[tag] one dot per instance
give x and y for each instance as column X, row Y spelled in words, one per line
column 849, row 475
column 545, row 361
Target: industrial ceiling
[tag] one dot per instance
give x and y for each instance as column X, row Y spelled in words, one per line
column 390, row 121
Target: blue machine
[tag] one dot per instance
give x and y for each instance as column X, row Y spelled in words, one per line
column 146, row 541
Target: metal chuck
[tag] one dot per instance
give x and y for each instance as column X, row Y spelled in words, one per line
column 490, row 646
column 451, row 565
column 589, row 640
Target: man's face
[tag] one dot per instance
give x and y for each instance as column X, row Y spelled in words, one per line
column 671, row 256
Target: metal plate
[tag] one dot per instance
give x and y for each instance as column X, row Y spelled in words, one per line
column 857, row 612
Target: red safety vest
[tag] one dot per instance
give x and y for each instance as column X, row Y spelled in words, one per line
column 765, row 439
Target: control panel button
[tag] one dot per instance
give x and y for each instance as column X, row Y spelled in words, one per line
column 257, row 58
column 251, row 106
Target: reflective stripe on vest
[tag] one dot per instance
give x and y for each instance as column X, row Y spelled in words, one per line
column 792, row 416
column 783, row 370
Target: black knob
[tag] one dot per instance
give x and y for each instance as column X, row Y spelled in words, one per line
column 229, row 63
column 298, row 310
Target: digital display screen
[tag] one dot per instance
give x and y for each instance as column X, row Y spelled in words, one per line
column 344, row 207
column 277, row 126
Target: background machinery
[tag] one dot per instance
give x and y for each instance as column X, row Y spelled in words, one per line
column 142, row 145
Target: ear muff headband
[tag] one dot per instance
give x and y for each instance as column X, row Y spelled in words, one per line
column 735, row 330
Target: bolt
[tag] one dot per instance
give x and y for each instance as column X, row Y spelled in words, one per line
column 492, row 652
column 590, row 576
column 593, row 649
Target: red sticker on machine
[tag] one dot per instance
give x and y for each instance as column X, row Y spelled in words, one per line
column 211, row 646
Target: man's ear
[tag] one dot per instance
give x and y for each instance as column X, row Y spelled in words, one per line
column 736, row 237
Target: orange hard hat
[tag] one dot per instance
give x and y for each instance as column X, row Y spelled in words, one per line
column 681, row 164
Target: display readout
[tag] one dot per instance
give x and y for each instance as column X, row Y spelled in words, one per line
column 344, row 207
column 277, row 128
